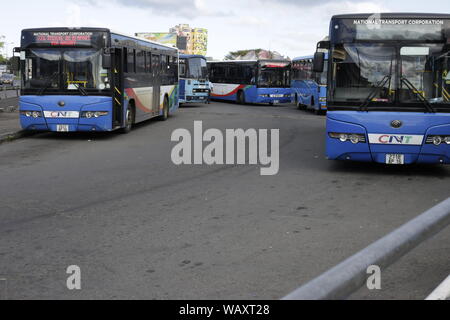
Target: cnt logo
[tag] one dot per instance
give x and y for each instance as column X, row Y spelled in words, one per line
column 385, row 139
column 396, row 139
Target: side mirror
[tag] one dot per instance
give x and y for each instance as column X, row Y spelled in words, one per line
column 15, row 64
column 106, row 61
column 319, row 62
column 323, row 45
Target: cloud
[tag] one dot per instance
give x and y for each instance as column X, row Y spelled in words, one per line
column 186, row 9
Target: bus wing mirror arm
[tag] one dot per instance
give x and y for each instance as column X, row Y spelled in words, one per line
column 106, row 58
column 319, row 62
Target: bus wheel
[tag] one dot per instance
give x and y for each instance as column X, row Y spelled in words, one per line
column 165, row 115
column 241, row 97
column 129, row 120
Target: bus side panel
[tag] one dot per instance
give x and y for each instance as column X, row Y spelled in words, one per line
column 307, row 92
column 172, row 91
column 142, row 101
column 227, row 92
column 182, row 90
column 323, row 97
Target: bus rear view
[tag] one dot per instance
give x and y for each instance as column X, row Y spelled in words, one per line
column 389, row 88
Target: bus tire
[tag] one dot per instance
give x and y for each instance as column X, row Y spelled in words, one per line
column 129, row 120
column 241, row 97
column 165, row 114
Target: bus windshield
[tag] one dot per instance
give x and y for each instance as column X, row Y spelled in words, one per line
column 277, row 77
column 426, row 67
column 359, row 68
column 197, row 69
column 65, row 70
column 388, row 73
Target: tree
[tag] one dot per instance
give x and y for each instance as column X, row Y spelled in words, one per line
column 3, row 59
column 252, row 54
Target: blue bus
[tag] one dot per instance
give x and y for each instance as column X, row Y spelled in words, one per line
column 309, row 89
column 388, row 88
column 256, row 81
column 92, row 79
column 194, row 84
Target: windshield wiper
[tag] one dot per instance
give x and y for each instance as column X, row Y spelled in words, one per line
column 48, row 83
column 380, row 85
column 414, row 90
column 81, row 89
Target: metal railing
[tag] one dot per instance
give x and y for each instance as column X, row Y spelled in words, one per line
column 347, row 277
column 7, row 92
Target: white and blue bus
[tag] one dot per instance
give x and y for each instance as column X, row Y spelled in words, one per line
column 388, row 88
column 93, row 79
column 258, row 81
column 194, row 84
column 309, row 89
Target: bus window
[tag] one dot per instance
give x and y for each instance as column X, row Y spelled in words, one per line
column 155, row 64
column 148, row 62
column 131, row 61
column 140, row 61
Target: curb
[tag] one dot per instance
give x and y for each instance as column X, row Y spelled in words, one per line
column 9, row 137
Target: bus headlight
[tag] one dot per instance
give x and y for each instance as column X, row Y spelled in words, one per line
column 94, row 114
column 352, row 137
column 438, row 140
column 31, row 114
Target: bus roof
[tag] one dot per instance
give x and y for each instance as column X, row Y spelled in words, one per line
column 248, row 61
column 188, row 56
column 308, row 57
column 393, row 15
column 96, row 29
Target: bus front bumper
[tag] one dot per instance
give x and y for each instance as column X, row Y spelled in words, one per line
column 382, row 153
column 64, row 119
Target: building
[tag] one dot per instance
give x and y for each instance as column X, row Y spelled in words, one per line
column 188, row 40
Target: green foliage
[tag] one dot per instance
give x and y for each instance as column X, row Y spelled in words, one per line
column 2, row 45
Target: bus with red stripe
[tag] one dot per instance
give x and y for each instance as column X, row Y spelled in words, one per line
column 254, row 81
column 93, row 79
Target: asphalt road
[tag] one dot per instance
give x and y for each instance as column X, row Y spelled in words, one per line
column 140, row 227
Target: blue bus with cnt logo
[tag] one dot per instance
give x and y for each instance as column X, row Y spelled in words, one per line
column 194, row 84
column 388, row 88
column 309, row 89
column 93, row 79
column 256, row 81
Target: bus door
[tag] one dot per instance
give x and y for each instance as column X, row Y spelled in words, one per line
column 117, row 86
column 156, row 68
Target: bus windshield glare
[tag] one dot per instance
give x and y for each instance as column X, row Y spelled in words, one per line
column 391, row 73
column 277, row 77
column 197, row 69
column 65, row 70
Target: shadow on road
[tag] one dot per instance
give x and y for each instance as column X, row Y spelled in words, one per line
column 431, row 170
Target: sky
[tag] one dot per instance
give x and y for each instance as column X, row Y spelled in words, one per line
column 291, row 27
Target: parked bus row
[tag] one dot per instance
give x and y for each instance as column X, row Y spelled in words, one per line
column 384, row 81
column 92, row 79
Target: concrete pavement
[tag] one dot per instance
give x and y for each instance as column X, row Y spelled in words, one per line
column 140, row 227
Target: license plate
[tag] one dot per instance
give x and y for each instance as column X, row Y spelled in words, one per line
column 62, row 128
column 395, row 159
column 276, row 101
column 202, row 98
